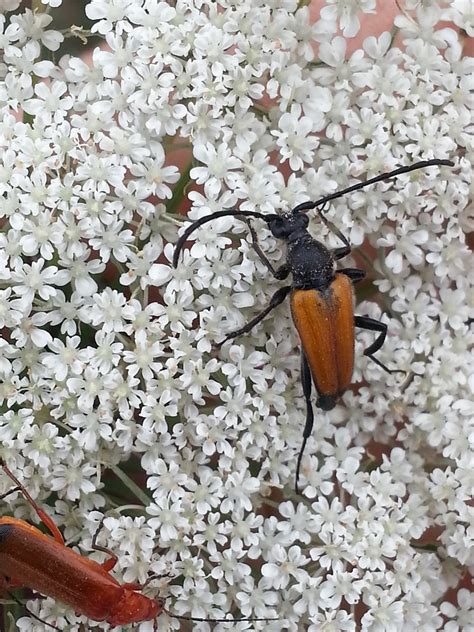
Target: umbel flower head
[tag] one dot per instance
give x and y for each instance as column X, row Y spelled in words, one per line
column 114, row 398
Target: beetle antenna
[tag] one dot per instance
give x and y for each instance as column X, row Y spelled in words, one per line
column 209, row 218
column 223, row 620
column 306, row 206
column 32, row 614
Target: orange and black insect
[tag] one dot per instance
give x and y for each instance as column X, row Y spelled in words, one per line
column 321, row 297
column 31, row 559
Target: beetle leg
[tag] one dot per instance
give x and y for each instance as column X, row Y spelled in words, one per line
column 138, row 587
column 10, row 491
column 276, row 299
column 364, row 322
column 107, row 565
column 340, row 253
column 306, row 381
column 354, row 274
column 47, row 520
column 280, row 273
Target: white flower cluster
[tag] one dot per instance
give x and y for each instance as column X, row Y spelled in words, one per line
column 112, row 394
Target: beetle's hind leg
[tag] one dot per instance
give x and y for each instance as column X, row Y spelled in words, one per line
column 306, row 381
column 276, row 299
column 364, row 322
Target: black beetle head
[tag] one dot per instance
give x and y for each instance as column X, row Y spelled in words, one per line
column 283, row 226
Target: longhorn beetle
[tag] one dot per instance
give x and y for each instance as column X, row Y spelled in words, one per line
column 321, row 297
column 29, row 558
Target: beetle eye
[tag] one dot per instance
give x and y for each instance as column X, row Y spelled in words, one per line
column 303, row 220
column 277, row 226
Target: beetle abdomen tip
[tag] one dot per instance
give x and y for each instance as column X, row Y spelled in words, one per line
column 326, row 402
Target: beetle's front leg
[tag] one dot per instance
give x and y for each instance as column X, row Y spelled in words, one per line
column 354, row 274
column 280, row 273
column 136, row 586
column 43, row 516
column 108, row 564
column 276, row 299
column 364, row 322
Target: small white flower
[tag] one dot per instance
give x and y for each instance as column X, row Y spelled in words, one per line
column 72, row 480
column 42, row 445
column 196, row 376
column 100, row 173
column 108, row 14
column 218, row 169
column 461, row 617
column 346, row 13
column 386, row 614
column 166, row 520
column 32, row 25
column 50, row 101
column 64, row 358
column 285, row 565
column 341, row 585
column 461, row 13
column 155, row 177
column 38, row 279
column 143, row 357
column 294, row 138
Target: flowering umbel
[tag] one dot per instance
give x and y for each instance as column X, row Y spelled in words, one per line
column 113, row 396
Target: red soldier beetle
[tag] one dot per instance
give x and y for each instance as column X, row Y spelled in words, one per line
column 321, row 296
column 43, row 563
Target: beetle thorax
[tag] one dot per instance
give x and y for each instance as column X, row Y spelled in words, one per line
column 312, row 264
column 134, row 607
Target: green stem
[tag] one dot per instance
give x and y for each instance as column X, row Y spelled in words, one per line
column 132, row 486
column 427, row 548
column 38, row 7
column 126, row 508
column 179, row 190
